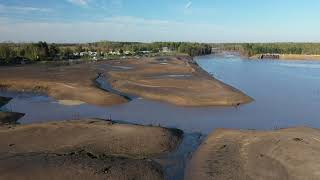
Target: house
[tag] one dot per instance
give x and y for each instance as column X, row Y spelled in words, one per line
column 83, row 54
column 166, row 50
column 114, row 53
column 92, row 54
column 145, row 52
column 127, row 52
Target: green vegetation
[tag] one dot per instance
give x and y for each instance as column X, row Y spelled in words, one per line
column 11, row 53
column 193, row 49
column 251, row 49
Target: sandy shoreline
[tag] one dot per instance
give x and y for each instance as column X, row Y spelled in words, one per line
column 176, row 80
column 238, row 154
column 82, row 149
column 85, row 149
column 98, row 149
column 74, row 82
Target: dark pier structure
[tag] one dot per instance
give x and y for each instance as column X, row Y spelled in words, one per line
column 269, row 56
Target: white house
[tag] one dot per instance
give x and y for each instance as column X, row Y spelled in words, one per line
column 166, row 49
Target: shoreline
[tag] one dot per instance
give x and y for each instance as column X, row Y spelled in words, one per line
column 289, row 153
column 93, row 148
column 176, row 80
column 293, row 57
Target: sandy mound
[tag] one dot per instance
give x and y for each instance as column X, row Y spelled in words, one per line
column 74, row 82
column 85, row 149
column 284, row 154
column 178, row 81
column 93, row 136
column 80, row 167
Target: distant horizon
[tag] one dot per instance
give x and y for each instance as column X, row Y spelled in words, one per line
column 204, row 21
column 27, row 42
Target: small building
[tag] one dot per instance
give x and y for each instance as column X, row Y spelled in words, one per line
column 166, row 50
column 128, row 53
column 269, row 56
column 114, row 53
column 145, row 52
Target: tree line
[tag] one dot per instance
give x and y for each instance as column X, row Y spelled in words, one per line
column 251, row 49
column 192, row 49
column 14, row 53
column 11, row 53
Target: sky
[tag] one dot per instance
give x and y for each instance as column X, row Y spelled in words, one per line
column 72, row 21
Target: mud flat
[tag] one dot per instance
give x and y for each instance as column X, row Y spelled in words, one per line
column 66, row 83
column 94, row 136
column 176, row 80
column 82, row 167
column 87, row 149
column 292, row 153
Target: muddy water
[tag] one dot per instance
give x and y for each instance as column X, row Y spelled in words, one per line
column 286, row 93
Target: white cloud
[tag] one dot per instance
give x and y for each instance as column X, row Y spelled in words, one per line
column 79, row 2
column 4, row 8
column 127, row 28
column 114, row 28
column 188, row 5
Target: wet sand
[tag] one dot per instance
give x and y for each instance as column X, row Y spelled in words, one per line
column 175, row 80
column 234, row 154
column 95, row 136
column 79, row 167
column 85, row 149
column 299, row 57
column 65, row 82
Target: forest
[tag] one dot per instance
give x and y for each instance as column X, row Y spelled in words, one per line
column 251, row 49
column 13, row 53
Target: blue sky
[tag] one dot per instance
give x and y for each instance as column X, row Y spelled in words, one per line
column 161, row 20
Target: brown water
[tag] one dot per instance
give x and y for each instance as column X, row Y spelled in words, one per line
column 286, row 93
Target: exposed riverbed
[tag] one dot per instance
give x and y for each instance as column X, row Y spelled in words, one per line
column 286, row 94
